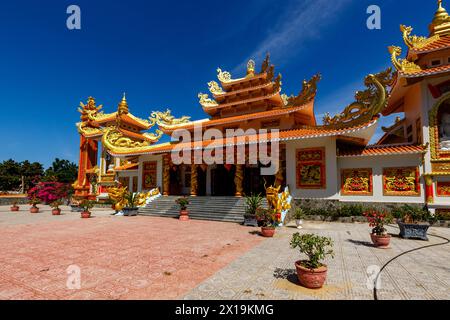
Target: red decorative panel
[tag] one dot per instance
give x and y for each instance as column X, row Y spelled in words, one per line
column 311, row 169
column 356, row 182
column 401, row 181
column 149, row 174
column 443, row 188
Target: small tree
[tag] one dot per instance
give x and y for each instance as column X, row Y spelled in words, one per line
column 315, row 247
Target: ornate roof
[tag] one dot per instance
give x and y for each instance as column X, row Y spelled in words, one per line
column 286, row 135
column 306, row 109
column 381, row 150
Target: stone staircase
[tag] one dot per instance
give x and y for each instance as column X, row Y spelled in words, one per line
column 226, row 209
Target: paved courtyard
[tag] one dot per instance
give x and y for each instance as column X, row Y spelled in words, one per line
column 160, row 258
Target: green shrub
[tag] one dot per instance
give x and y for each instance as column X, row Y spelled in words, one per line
column 411, row 214
column 315, row 247
column 252, row 204
column 351, row 210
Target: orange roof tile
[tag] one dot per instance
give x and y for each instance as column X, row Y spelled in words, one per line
column 380, row 150
column 442, row 43
column 240, row 118
column 128, row 166
column 426, row 72
column 288, row 135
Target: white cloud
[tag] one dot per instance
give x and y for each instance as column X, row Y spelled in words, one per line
column 302, row 21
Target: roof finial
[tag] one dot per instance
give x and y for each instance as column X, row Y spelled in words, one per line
column 123, row 105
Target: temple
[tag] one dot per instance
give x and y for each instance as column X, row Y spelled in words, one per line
column 329, row 159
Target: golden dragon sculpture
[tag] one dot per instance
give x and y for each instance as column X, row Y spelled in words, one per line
column 368, row 104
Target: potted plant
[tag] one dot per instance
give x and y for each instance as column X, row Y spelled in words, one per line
column 75, row 205
column 377, row 220
column 86, row 205
column 131, row 208
column 298, row 216
column 14, row 206
column 252, row 204
column 183, row 203
column 413, row 221
column 34, row 202
column 312, row 273
column 56, row 211
column 268, row 221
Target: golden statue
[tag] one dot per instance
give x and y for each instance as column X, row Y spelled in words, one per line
column 238, row 179
column 117, row 194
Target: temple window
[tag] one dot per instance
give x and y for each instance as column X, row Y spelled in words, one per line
column 436, row 62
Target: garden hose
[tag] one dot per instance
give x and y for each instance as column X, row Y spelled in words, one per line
column 447, row 241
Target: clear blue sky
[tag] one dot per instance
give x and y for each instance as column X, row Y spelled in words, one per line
column 162, row 53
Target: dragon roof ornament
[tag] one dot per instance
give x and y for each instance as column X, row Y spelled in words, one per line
column 402, row 65
column 308, row 92
column 166, row 119
column 206, row 101
column 416, row 42
column 369, row 103
column 223, row 76
column 214, row 88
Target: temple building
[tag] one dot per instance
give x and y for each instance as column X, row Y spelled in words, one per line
column 329, row 159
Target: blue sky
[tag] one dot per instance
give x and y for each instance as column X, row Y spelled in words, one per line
column 162, row 53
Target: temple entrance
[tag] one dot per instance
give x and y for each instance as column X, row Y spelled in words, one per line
column 254, row 181
column 201, row 178
column 222, row 181
column 175, row 181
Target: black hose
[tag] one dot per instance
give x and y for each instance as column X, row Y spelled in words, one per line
column 375, row 296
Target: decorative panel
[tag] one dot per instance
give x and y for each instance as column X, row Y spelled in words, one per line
column 443, row 188
column 356, row 182
column 401, row 181
column 311, row 169
column 149, row 174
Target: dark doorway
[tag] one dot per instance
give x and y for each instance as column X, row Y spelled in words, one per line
column 254, row 181
column 175, row 181
column 201, row 180
column 222, row 181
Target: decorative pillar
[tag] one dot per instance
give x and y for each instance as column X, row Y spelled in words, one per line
column 87, row 161
column 429, row 192
column 238, row 178
column 166, row 175
column 194, row 183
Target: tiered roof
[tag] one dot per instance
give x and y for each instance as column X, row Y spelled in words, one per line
column 416, row 65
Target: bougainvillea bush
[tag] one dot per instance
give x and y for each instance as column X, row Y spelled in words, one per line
column 49, row 192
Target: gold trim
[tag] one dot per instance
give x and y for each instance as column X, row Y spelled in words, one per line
column 402, row 65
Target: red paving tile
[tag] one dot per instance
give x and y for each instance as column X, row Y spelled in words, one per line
column 119, row 257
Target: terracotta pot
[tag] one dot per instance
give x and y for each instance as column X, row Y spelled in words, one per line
column 311, row 278
column 267, row 232
column 34, row 210
column 380, row 241
column 15, row 208
column 56, row 212
column 85, row 214
column 184, row 215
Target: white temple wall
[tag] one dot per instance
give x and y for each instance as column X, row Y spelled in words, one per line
column 130, row 174
column 377, row 163
column 331, row 190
